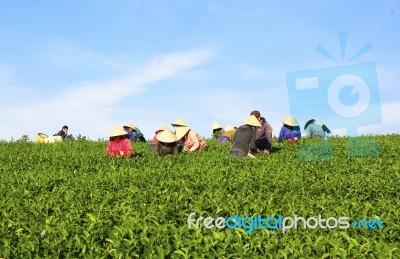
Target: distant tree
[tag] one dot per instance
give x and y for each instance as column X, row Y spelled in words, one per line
column 82, row 138
column 24, row 138
column 69, row 137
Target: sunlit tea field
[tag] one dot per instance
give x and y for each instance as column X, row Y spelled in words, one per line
column 69, row 200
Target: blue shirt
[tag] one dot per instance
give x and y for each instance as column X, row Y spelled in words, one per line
column 286, row 133
column 315, row 129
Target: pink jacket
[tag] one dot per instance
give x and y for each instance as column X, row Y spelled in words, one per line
column 155, row 140
column 115, row 146
column 193, row 141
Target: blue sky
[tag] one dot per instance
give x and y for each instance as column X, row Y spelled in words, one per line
column 94, row 64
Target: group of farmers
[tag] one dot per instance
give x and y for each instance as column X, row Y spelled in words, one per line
column 164, row 141
column 254, row 136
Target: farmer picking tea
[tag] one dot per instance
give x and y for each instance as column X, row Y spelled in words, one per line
column 217, row 130
column 245, row 137
column 166, row 143
column 290, row 130
column 119, row 144
column 191, row 140
column 62, row 133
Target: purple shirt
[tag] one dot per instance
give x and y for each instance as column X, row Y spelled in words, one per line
column 265, row 132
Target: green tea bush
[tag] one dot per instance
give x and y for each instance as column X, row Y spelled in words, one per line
column 70, row 200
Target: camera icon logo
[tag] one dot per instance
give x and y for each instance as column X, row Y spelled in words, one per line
column 345, row 96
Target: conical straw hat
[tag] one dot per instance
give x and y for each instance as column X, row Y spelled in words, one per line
column 252, row 121
column 161, row 129
column 166, row 136
column 181, row 131
column 128, row 125
column 216, row 125
column 179, row 123
column 117, row 131
column 290, row 120
column 229, row 128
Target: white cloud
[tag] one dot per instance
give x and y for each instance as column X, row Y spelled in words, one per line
column 65, row 54
column 90, row 106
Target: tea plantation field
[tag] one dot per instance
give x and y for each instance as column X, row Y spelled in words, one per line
column 68, row 200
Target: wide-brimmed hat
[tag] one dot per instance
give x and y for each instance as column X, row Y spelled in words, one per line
column 128, row 125
column 116, row 131
column 43, row 135
column 229, row 128
column 161, row 129
column 179, row 123
column 290, row 121
column 216, row 125
column 166, row 136
column 252, row 121
column 181, row 131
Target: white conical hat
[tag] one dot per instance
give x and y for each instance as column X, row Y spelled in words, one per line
column 162, row 129
column 179, row 122
column 181, row 131
column 252, row 121
column 229, row 128
column 216, row 125
column 290, row 120
column 128, row 125
column 117, row 131
column 166, row 136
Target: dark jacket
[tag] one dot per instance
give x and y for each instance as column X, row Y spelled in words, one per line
column 62, row 134
column 244, row 137
column 163, row 148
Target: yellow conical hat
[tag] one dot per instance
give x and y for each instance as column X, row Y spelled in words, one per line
column 161, row 129
column 216, row 125
column 229, row 128
column 181, row 131
column 128, row 125
column 179, row 123
column 290, row 120
column 117, row 131
column 166, row 136
column 252, row 121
